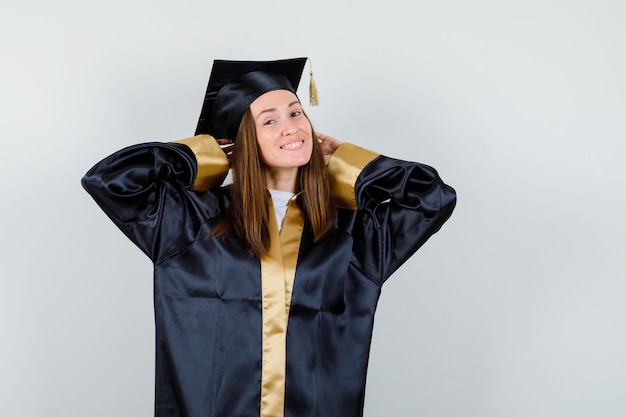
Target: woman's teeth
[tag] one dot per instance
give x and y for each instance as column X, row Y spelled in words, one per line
column 293, row 145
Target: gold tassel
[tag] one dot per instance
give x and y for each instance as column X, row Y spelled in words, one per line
column 314, row 99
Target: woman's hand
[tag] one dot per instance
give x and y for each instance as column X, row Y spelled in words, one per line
column 227, row 146
column 329, row 145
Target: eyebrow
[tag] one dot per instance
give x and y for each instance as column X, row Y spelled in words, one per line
column 275, row 109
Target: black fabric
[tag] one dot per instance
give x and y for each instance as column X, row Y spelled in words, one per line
column 207, row 292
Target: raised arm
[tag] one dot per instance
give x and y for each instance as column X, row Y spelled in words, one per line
column 399, row 204
column 149, row 191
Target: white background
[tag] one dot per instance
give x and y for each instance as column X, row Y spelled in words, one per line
column 516, row 308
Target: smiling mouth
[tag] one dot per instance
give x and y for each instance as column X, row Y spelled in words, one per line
column 293, row 145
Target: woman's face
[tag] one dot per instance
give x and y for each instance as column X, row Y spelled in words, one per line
column 283, row 132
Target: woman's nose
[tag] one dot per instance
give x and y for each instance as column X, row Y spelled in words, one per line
column 289, row 128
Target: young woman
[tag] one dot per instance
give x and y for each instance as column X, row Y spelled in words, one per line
column 265, row 289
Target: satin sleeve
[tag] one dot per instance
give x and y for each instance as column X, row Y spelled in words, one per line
column 150, row 191
column 399, row 205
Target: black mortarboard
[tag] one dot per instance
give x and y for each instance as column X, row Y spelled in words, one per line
column 234, row 85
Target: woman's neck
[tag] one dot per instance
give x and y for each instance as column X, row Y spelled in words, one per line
column 282, row 179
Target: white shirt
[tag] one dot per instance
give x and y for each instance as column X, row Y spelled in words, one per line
column 280, row 199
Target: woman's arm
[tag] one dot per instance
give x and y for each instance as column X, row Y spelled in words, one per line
column 147, row 190
column 399, row 204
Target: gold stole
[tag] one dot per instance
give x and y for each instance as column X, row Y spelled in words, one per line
column 278, row 269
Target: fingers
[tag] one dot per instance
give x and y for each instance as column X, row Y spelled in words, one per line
column 328, row 144
column 227, row 146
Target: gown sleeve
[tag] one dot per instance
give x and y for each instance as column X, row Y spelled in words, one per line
column 152, row 191
column 399, row 205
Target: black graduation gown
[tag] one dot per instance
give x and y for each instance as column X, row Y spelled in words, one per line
column 226, row 343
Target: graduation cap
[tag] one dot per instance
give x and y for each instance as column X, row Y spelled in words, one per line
column 234, row 85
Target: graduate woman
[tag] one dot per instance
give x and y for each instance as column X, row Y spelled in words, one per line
column 265, row 289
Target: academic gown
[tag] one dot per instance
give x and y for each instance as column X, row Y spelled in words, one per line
column 286, row 335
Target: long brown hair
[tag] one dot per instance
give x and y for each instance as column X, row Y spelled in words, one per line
column 248, row 214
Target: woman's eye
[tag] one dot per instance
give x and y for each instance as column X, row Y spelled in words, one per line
column 296, row 113
column 269, row 122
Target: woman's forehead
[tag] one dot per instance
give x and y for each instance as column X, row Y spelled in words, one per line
column 273, row 100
